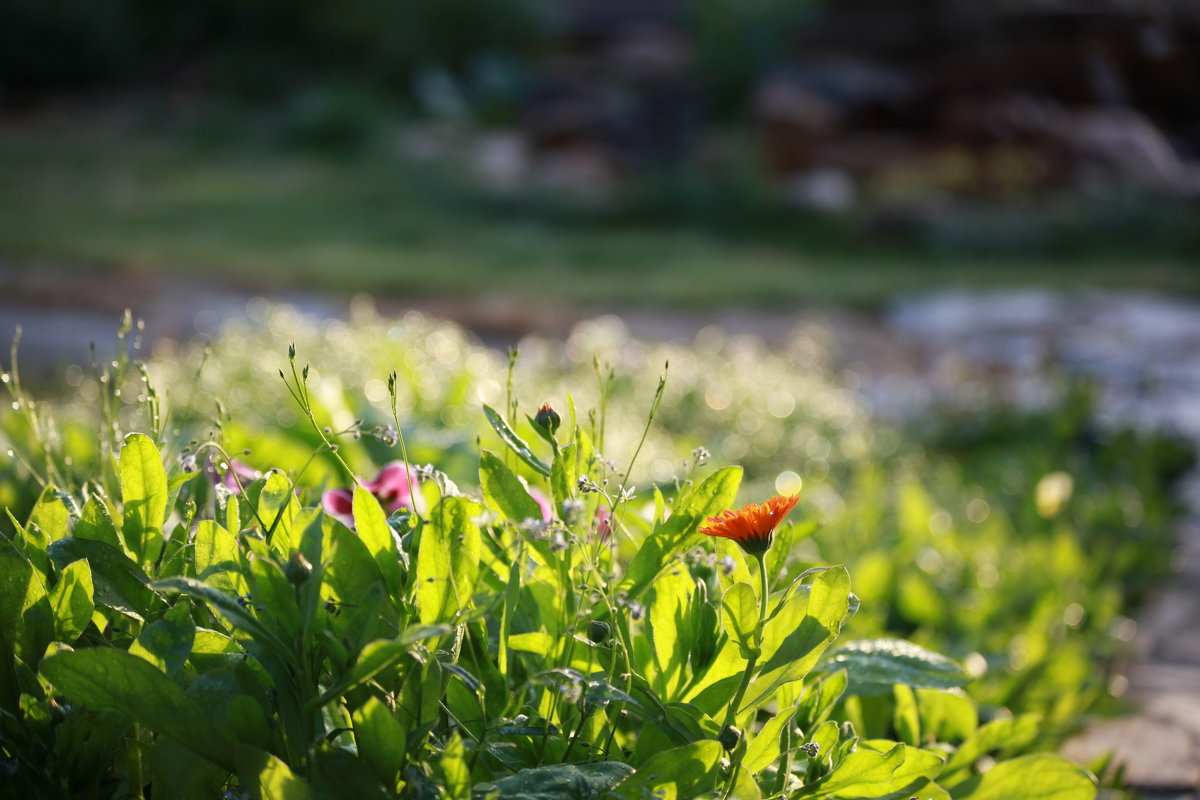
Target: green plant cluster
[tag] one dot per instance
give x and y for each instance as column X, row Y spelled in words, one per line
column 177, row 639
column 164, row 619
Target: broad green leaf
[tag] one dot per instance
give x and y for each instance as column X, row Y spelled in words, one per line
column 668, row 629
column 350, row 571
column 905, row 718
column 515, row 442
column 534, row 642
column 268, row 778
column 875, row 664
column 558, row 782
column 741, row 612
column 948, row 715
column 447, row 560
column 276, row 508
column 143, row 497
column 106, row 679
column 374, row 658
column 682, row 772
column 274, row 597
column 862, row 770
column 370, row 522
column 47, row 523
column 909, row 779
column 95, row 523
column 504, row 491
column 71, row 601
column 828, row 604
column 218, row 559
column 1041, row 776
column 338, row 772
column 234, row 702
column 708, row 498
column 178, row 773
column 380, row 740
column 456, row 775
column 1000, row 734
column 229, row 608
column 764, row 747
column 117, row 581
column 26, row 620
column 166, row 643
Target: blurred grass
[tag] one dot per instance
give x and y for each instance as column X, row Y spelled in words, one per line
column 104, row 198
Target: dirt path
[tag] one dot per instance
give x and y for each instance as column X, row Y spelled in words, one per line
column 1143, row 353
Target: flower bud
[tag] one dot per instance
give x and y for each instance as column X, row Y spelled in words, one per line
column 548, row 418
column 598, row 631
column 297, row 570
column 729, row 738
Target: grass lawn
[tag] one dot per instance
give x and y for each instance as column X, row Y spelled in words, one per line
column 103, row 198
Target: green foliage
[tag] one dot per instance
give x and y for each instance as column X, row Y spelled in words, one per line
column 476, row 641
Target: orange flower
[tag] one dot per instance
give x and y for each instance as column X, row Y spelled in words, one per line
column 753, row 526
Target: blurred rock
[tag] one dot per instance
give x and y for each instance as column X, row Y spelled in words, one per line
column 501, row 161
column 829, row 190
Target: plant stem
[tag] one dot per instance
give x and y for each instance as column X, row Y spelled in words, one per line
column 583, row 718
column 731, row 715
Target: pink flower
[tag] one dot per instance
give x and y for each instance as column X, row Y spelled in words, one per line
column 234, row 472
column 543, row 503
column 603, row 521
column 393, row 487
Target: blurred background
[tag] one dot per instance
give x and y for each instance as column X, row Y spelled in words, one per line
column 596, row 155
column 934, row 261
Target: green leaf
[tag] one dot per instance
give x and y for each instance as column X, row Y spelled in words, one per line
column 948, row 715
column 47, row 523
column 143, row 496
column 1000, row 734
column 905, row 718
column 559, row 782
column 828, row 604
column 218, row 559
column 95, row 523
column 375, row 657
column 875, row 664
column 862, row 770
column 683, row 772
column 167, row 642
column 230, row 609
column 562, row 475
column 515, row 442
column 370, row 522
column 764, row 747
column 456, row 776
column 106, row 679
column 910, row 778
column 268, row 778
column 708, row 498
column 741, row 612
column 26, row 621
column 178, row 773
column 504, row 491
column 1041, row 776
column 117, row 581
column 447, row 560
column 71, row 601
column 380, row 740
column 276, row 507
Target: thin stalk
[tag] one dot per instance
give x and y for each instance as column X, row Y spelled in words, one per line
column 408, row 471
column 751, row 663
column 583, row 718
